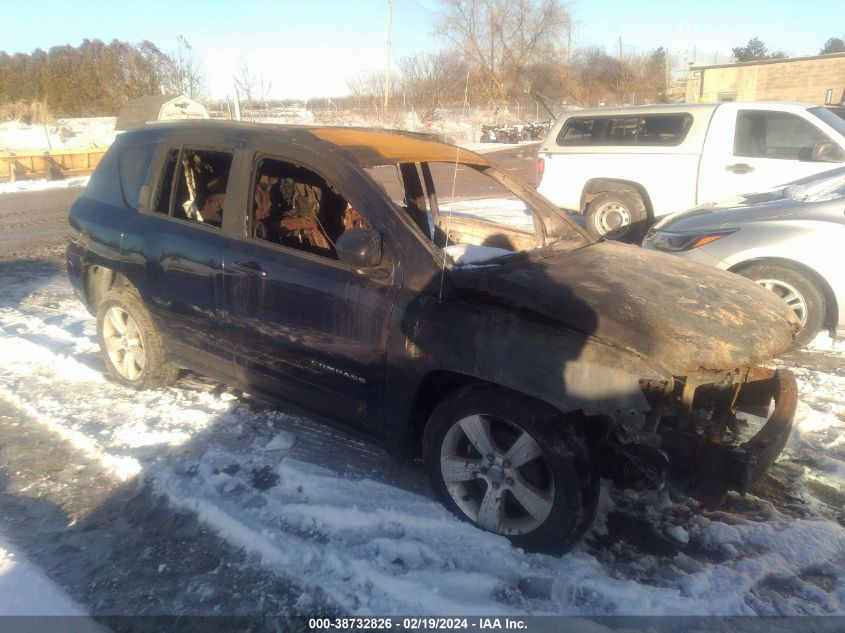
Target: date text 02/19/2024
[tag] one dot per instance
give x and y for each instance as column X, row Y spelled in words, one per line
column 414, row 624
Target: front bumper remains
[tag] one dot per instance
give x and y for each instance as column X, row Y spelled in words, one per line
column 706, row 469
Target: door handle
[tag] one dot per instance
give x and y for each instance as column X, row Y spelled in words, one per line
column 249, row 268
column 740, row 168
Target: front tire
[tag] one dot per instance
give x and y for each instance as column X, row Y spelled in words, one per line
column 132, row 348
column 800, row 292
column 511, row 465
column 617, row 215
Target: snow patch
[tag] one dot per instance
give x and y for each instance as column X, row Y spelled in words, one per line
column 462, row 255
column 60, row 134
column 678, row 533
column 43, row 185
column 282, row 441
column 507, row 211
column 25, row 590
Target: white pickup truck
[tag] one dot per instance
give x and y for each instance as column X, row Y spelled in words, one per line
column 625, row 167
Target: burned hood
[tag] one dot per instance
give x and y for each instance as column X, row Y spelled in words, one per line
column 679, row 315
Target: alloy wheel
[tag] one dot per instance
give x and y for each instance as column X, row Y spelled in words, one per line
column 788, row 293
column 497, row 474
column 124, row 344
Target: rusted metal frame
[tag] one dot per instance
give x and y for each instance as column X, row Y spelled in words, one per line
column 707, row 470
column 695, row 380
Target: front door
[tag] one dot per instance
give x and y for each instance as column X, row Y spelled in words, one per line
column 305, row 326
column 752, row 149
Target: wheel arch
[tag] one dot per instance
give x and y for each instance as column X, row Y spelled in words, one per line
column 439, row 384
column 596, row 186
column 97, row 281
column 831, row 309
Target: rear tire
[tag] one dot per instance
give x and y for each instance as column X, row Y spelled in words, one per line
column 511, row 465
column 617, row 215
column 798, row 290
column 132, row 348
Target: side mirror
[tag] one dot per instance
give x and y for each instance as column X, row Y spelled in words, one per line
column 359, row 248
column 828, row 152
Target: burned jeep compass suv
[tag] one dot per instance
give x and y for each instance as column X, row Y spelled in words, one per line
column 340, row 270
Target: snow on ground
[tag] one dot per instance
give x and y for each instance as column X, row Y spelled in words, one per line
column 316, row 505
column 41, row 185
column 470, row 254
column 25, row 590
column 60, row 134
column 506, row 211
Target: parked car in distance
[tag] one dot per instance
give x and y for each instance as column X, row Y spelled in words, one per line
column 788, row 240
column 623, row 168
column 326, row 268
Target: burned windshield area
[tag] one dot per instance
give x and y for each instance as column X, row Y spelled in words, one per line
column 297, row 208
column 456, row 206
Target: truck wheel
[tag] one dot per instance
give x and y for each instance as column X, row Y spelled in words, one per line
column 798, row 290
column 132, row 348
column 617, row 215
column 511, row 465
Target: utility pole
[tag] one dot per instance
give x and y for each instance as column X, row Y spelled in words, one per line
column 389, row 44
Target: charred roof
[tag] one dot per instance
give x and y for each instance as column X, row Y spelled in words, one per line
column 369, row 147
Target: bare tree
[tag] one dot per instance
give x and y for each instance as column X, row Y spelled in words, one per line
column 430, row 79
column 367, row 88
column 500, row 38
column 251, row 85
column 246, row 81
column 186, row 74
column 594, row 76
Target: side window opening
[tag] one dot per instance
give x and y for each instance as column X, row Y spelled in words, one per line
column 411, row 190
column 296, row 208
column 768, row 134
column 201, row 178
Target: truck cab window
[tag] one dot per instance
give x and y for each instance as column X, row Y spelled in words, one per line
column 768, row 134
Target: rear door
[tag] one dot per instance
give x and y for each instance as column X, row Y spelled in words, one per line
column 176, row 246
column 305, row 326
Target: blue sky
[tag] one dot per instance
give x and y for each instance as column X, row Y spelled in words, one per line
column 309, row 48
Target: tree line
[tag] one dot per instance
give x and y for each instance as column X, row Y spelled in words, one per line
column 500, row 52
column 507, row 52
column 495, row 53
column 94, row 78
column 755, row 49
